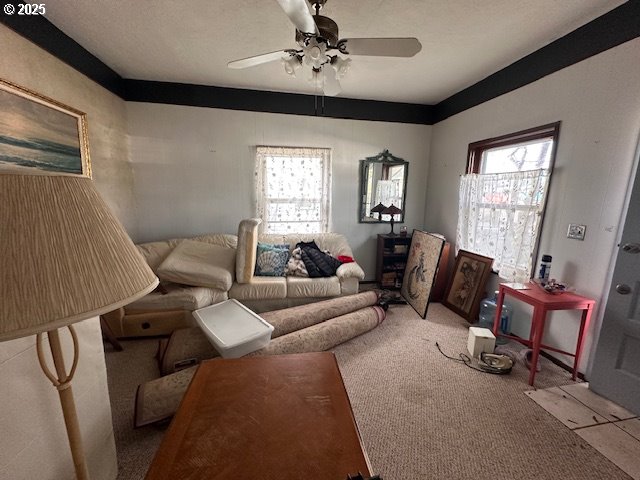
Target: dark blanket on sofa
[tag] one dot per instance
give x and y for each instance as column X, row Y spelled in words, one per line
column 318, row 263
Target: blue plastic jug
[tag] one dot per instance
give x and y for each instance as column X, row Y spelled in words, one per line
column 488, row 308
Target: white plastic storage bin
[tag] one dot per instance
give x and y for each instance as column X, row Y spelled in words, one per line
column 233, row 329
column 480, row 340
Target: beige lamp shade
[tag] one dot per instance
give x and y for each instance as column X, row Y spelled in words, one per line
column 65, row 257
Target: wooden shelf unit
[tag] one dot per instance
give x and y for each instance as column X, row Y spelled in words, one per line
column 390, row 264
column 391, row 260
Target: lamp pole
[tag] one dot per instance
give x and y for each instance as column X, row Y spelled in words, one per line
column 63, row 383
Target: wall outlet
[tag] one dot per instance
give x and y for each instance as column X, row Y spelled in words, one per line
column 576, row 231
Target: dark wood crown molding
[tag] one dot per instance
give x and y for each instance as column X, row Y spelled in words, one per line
column 607, row 31
column 275, row 102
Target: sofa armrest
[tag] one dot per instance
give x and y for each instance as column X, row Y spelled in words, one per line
column 246, row 252
column 348, row 270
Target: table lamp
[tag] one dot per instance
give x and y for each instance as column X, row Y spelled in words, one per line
column 378, row 209
column 65, row 258
column 391, row 210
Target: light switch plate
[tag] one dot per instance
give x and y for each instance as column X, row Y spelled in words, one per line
column 576, row 231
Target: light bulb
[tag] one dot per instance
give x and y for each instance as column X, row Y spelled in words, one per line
column 314, row 53
column 341, row 66
column 331, row 85
column 291, row 64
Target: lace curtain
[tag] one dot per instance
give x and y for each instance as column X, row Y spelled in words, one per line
column 293, row 189
column 499, row 216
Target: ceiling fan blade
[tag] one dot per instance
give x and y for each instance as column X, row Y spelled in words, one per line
column 259, row 59
column 299, row 12
column 331, row 85
column 380, row 47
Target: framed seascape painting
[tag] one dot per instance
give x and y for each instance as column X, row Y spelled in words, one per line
column 41, row 135
column 467, row 283
column 421, row 269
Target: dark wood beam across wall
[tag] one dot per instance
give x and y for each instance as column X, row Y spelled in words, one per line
column 275, row 102
column 47, row 36
column 607, row 31
column 610, row 30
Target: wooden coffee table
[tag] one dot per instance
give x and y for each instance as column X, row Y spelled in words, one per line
column 273, row 417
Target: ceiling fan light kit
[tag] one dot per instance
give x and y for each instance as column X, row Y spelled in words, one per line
column 317, row 36
column 291, row 64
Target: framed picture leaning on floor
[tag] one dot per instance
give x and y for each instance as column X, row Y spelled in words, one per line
column 421, row 269
column 467, row 284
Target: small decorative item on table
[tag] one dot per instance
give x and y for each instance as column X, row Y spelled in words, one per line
column 553, row 286
column 403, row 231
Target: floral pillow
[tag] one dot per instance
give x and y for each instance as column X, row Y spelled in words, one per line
column 271, row 260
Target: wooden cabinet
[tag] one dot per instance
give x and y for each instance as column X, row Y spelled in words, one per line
column 392, row 259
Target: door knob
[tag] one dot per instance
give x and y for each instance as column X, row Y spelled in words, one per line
column 623, row 289
column 631, row 247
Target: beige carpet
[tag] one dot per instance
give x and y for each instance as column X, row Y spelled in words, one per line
column 421, row 415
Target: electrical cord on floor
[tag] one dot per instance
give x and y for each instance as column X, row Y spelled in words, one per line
column 489, row 363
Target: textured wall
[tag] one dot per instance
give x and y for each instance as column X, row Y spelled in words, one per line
column 29, row 66
column 194, row 168
column 597, row 101
column 33, row 441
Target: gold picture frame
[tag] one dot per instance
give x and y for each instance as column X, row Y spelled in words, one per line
column 467, row 284
column 40, row 135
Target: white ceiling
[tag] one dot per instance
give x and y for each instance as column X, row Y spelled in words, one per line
column 463, row 41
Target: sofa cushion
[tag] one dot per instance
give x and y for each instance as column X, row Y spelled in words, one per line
column 221, row 239
column 271, row 260
column 178, row 298
column 298, row 287
column 260, row 288
column 155, row 253
column 246, row 252
column 199, row 264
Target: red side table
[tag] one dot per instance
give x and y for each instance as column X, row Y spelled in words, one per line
column 542, row 302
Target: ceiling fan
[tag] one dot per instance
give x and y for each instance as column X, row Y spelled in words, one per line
column 317, row 37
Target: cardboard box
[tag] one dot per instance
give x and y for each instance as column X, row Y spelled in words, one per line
column 480, row 340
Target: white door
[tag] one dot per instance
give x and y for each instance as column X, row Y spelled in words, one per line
column 616, row 366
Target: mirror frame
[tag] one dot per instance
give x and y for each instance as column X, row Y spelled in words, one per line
column 385, row 158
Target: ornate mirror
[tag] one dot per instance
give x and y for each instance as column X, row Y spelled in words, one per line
column 383, row 182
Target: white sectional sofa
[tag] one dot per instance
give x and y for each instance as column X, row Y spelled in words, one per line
column 194, row 276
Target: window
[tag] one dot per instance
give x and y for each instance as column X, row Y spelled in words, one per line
column 502, row 198
column 293, row 189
